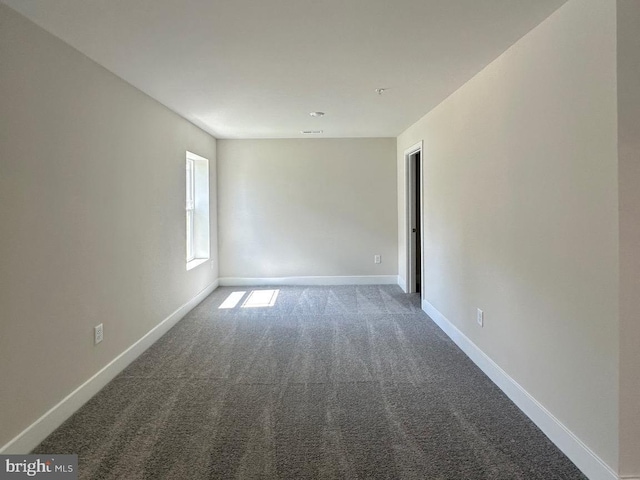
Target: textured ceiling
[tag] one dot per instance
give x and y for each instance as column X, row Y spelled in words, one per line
column 256, row 68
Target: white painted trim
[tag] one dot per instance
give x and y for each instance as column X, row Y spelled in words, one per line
column 584, row 458
column 29, row 438
column 328, row 280
column 195, row 262
column 402, row 284
column 630, row 477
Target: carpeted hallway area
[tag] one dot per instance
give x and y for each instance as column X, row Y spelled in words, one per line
column 348, row 382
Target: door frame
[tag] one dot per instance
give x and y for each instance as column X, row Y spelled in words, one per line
column 410, row 273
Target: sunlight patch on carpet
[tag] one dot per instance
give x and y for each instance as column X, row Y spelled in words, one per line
column 232, row 300
column 261, row 298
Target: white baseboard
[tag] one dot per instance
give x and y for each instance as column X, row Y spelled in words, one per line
column 325, row 280
column 29, row 438
column 402, row 283
column 630, row 477
column 583, row 457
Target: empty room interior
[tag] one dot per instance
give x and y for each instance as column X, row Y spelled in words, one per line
column 331, row 239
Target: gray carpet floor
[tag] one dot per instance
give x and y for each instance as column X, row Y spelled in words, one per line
column 349, row 382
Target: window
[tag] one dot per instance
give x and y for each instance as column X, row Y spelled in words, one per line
column 197, row 210
column 191, row 209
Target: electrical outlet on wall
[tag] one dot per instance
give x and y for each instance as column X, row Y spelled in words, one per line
column 480, row 318
column 98, row 333
column 376, row 259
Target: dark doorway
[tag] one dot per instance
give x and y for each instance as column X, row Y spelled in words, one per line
column 413, row 163
column 417, row 260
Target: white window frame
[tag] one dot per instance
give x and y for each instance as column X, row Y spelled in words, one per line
column 190, row 209
column 197, row 210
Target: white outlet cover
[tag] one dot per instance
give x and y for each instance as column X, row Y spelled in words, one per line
column 480, row 318
column 98, row 334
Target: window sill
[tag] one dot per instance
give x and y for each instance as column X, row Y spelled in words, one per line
column 195, row 262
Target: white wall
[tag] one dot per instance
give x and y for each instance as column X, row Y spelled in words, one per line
column 521, row 216
column 92, row 193
column 629, row 184
column 308, row 207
